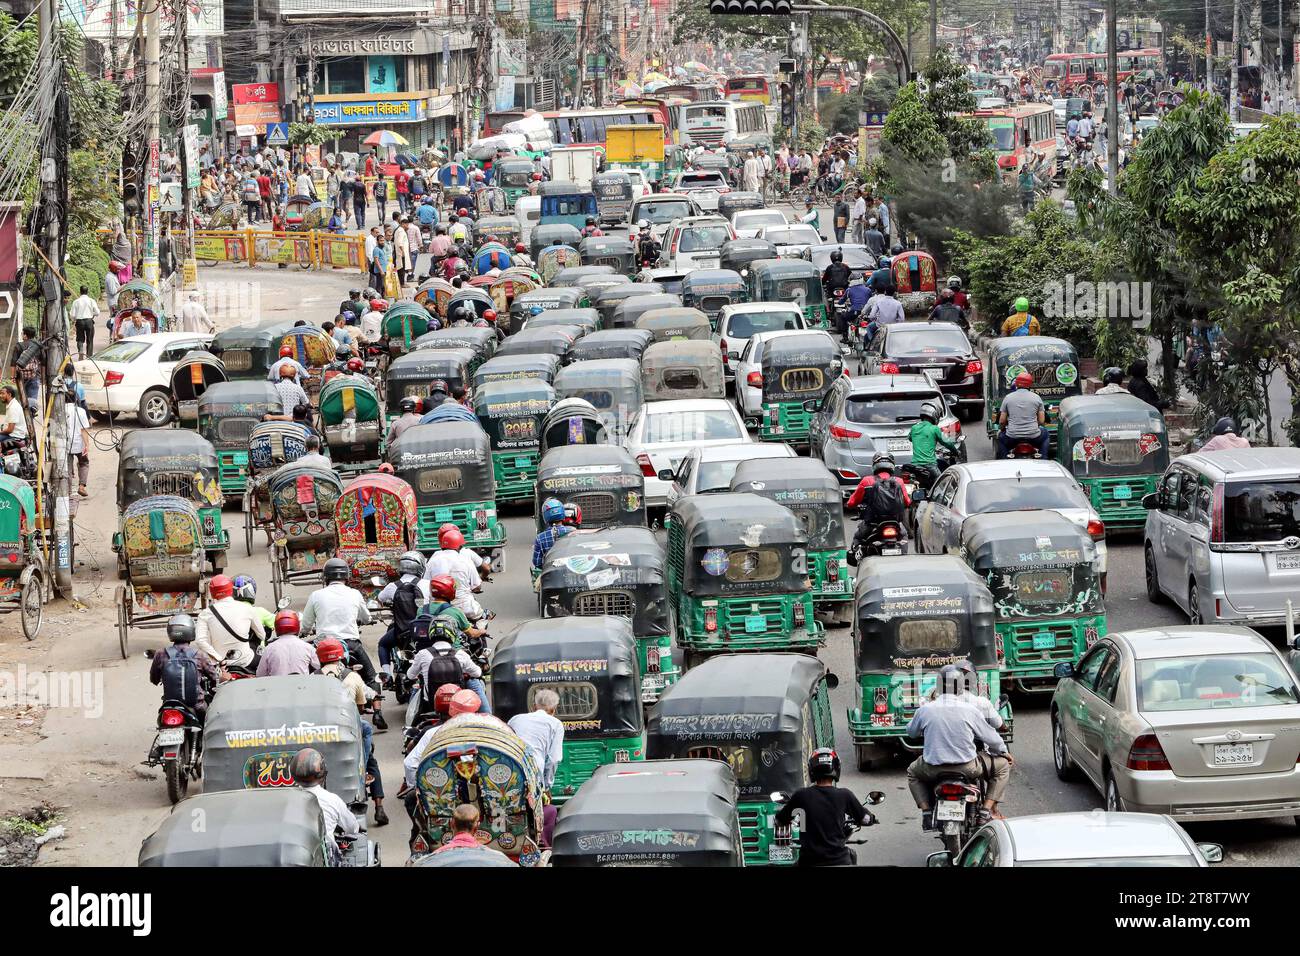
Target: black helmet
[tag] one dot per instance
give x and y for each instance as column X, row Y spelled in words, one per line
column 336, row 569
column 411, row 562
column 951, row 679
column 407, row 404
column 180, row 629
column 343, row 353
column 930, row 413
column 883, row 461
column 353, row 293
column 591, row 220
column 307, row 767
column 896, row 250
column 824, row 763
column 1112, row 376
column 837, row 256
column 438, row 385
column 1225, row 426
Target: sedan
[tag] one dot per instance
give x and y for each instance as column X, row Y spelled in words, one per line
column 703, row 186
column 938, row 349
column 748, row 222
column 1199, row 722
column 663, row 433
column 857, row 257
column 660, row 209
column 1093, row 838
column 794, row 240
column 987, row 487
column 709, row 470
column 134, row 375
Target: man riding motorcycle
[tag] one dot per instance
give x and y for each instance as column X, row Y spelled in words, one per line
column 1020, row 321
column 171, row 668
column 228, row 631
column 246, row 591
column 405, row 596
column 1022, row 418
column 647, row 249
column 338, row 610
column 591, row 228
column 826, row 808
column 836, row 275
column 924, row 436
column 881, row 496
column 947, row 310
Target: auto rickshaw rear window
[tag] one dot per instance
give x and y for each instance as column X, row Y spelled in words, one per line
column 1213, row 682
column 802, row 380
column 739, row 758
column 235, row 429
column 598, row 399
column 604, row 603
column 888, row 409
column 180, row 485
column 758, row 564
column 681, row 378
column 1261, row 511
column 1044, row 587
column 441, row 479
column 578, row 699
column 928, row 637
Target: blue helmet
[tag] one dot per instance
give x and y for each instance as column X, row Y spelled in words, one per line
column 535, row 310
column 552, row 511
column 245, row 589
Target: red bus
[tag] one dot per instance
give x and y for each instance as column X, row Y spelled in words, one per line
column 1073, row 71
column 1022, row 135
column 754, row 89
column 661, row 113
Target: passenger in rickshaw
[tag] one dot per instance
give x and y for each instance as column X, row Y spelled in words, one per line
column 286, row 358
column 409, row 417
column 1023, row 417
column 134, row 324
column 228, row 631
column 332, row 658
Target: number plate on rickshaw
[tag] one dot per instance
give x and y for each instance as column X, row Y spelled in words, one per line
column 755, row 623
column 1044, row 641
column 442, row 514
column 163, row 567
column 1230, row 754
column 521, row 462
column 950, row 810
column 780, row 854
column 1123, row 492
column 1287, row 562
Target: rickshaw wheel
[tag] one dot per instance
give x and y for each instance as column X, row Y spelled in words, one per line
column 122, row 616
column 248, row 533
column 32, row 601
column 276, row 586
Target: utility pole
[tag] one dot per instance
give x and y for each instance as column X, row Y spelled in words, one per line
column 1112, row 100
column 1234, row 111
column 152, row 105
column 112, row 41
column 934, row 27
column 1209, row 58
column 188, row 267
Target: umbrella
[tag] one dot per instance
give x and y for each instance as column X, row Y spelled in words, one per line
column 654, row 76
column 654, row 87
column 694, row 65
column 631, row 89
column 385, row 137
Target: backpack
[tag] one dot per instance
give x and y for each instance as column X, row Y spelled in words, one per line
column 423, row 624
column 405, row 608
column 885, row 498
column 1023, row 329
column 443, row 668
column 180, row 675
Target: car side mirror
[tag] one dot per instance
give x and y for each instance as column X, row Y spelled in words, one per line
column 832, row 681
column 1210, row 852
column 811, row 405
column 667, row 474
column 1063, row 670
column 1152, row 501
column 942, row 858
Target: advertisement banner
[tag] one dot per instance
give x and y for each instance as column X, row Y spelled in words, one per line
column 381, row 74
column 245, row 93
column 191, row 144
column 219, row 102
column 282, row 249
column 257, row 114
column 376, row 112
column 217, row 247
column 340, row 252
column 505, row 96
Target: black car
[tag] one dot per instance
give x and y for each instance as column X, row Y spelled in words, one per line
column 938, row 349
column 857, row 257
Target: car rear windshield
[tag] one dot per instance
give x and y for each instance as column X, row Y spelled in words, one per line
column 703, row 238
column 928, row 341
column 742, row 325
column 1002, row 494
column 122, row 351
column 855, row 259
column 888, row 410
column 700, row 180
column 1261, row 510
column 1214, row 682
column 688, row 426
column 661, row 212
column 753, row 220
column 791, row 235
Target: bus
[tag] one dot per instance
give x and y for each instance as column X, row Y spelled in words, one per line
column 662, row 112
column 691, row 92
column 494, row 122
column 1023, row 134
column 1074, row 71
column 749, row 89
column 587, row 127
column 719, row 122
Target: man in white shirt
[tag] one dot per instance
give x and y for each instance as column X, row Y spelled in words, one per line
column 84, row 314
column 1085, row 127
column 336, row 609
column 543, row 732
column 194, row 317
column 304, row 184
column 79, row 437
column 14, row 426
column 859, row 218
column 226, row 628
column 463, row 565
column 308, row 771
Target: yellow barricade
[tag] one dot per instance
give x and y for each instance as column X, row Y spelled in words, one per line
column 313, row 249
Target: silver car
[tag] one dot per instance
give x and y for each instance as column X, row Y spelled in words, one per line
column 1090, row 838
column 1222, row 536
column 862, row 417
column 794, row 240
column 1201, row 723
column 663, row 433
column 709, row 470
column 984, row 487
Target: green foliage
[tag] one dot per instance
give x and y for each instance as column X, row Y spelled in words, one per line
column 911, row 130
column 947, row 95
column 839, row 113
column 310, row 134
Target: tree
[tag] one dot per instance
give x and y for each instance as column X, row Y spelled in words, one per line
column 948, row 95
column 310, row 134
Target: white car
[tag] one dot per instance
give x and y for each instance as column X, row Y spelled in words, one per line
column 738, row 323
column 749, row 372
column 661, row 209
column 748, row 222
column 134, row 375
column 702, row 185
column 792, row 240
column 640, row 185
column 696, row 242
column 663, row 433
column 707, row 471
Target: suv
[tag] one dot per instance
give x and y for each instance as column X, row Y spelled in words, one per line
column 1222, row 536
column 695, row 242
column 660, row 209
column 702, row 185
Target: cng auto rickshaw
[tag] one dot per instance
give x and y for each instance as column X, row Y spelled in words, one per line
column 603, row 480
column 912, row 616
column 731, row 203
column 313, row 348
column 228, row 413
column 656, row 813
column 248, row 351
column 680, row 370
column 411, row 374
column 449, row 465
column 789, row 280
column 607, row 300
column 613, row 190
column 807, row 488
column 627, row 312
column 798, row 371
column 588, row 320
column 477, row 759
column 763, row 715
column 404, row 322
column 612, row 386
column 162, row 562
column 574, row 421
column 591, row 663
column 190, row 378
column 738, row 574
column 468, row 304
column 613, row 251
column 271, row 445
column 555, row 340
column 611, row 344
column 303, row 535
column 593, row 284
column 709, row 290
column 571, row 276
column 618, row 570
column 482, row 342
column 350, row 419
column 915, row 281
column 25, row 582
column 676, row 324
column 502, row 229
column 737, row 255
column 543, row 299
column 556, row 256
column 375, row 518
column 1117, row 448
column 565, row 203
column 1047, row 601
column 506, row 367
column 511, row 412
column 1054, row 364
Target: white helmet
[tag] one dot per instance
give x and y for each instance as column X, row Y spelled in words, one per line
column 643, row 223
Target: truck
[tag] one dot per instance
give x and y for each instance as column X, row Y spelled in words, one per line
column 636, row 146
column 576, row 164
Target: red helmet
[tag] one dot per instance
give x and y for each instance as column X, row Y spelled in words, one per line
column 442, row 587
column 443, row 695
column 463, row 702
column 1024, row 380
column 355, row 365
column 386, row 469
column 520, row 247
column 489, row 315
column 220, row 587
column 573, row 515
column 286, row 622
column 286, row 351
column 451, row 539
column 329, row 650
column 537, row 177
column 378, row 305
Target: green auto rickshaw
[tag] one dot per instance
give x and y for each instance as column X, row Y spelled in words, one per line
column 248, row 351
column 764, row 715
column 611, row 344
column 1054, row 364
column 807, row 488
column 603, row 480
column 511, row 411
column 738, row 576
column 591, row 663
column 789, row 280
column 1047, row 601
column 228, row 413
column 1117, row 448
column 798, row 369
column 351, row 422
column 538, row 301
column 482, row 342
column 613, row 189
column 502, row 368
column 410, row 375
column 612, row 386
column 449, row 465
column 737, row 255
column 710, row 289
column 912, row 615
column 607, row 300
column 586, row 319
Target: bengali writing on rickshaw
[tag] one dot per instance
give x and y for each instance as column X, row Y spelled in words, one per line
column 551, row 668
column 450, row 456
column 718, row 726
column 303, row 734
column 517, row 409
column 928, row 662
column 812, row 495
column 922, row 606
column 568, row 483
column 608, row 839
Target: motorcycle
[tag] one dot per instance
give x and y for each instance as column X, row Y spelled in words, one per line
column 20, row 460
column 178, row 744
column 955, row 805
column 879, row 539
column 839, row 310
column 784, row 834
column 1024, row 450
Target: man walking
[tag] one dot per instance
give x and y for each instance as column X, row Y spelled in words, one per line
column 194, row 317
column 85, row 313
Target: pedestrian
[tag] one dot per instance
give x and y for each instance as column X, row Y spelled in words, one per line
column 264, row 189
column 401, row 253
column 379, row 260
column 359, row 202
column 381, row 193
column 859, row 217
column 112, row 286
column 752, row 174
column 347, row 185
column 251, row 194
column 84, row 314
column 1026, row 183
column 194, row 317
column 402, row 181
column 332, row 187
column 840, row 217
column 79, row 438
column 304, row 185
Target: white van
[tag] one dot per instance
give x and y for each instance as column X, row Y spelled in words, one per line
column 528, row 210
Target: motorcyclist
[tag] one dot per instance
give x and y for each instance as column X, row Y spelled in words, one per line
column 1225, row 436
column 338, row 610
column 431, row 666
column 439, row 394
column 286, row 358
column 884, row 309
column 881, row 496
column 971, row 694
column 342, row 354
column 859, row 294
column 882, row 276
column 228, row 631
column 553, row 518
column 1140, row 386
column 410, row 416
column 353, row 303
column 647, row 248
column 170, row 668
column 332, row 658
column 1112, row 382
column 246, row 591
column 405, row 596
column 947, row 310
column 288, row 653
column 924, row 435
column 1022, row 417
column 952, row 730
column 591, row 228
column 959, row 296
column 307, row 768
column 826, row 808
column 1020, row 322
column 836, row 275
column 464, row 566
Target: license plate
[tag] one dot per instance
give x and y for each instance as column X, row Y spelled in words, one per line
column 711, row 261
column 755, row 624
column 1288, row 562
column 442, row 514
column 164, row 567
column 1233, row 754
column 1044, row 641
column 1123, row 492
column 780, row 854
column 521, row 462
column 898, row 444
column 950, row 810
column 169, row 738
column 889, row 551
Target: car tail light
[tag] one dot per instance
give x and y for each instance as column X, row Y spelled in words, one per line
column 888, row 368
column 799, row 618
column 1216, row 516
column 833, row 570
column 112, row 378
column 839, row 433
column 881, row 701
column 974, row 367
column 1147, row 754
column 723, row 346
column 889, row 531
column 711, row 620
column 172, row 718
column 754, row 379
column 952, row 429
column 1096, row 529
column 647, row 468
column 850, row 475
